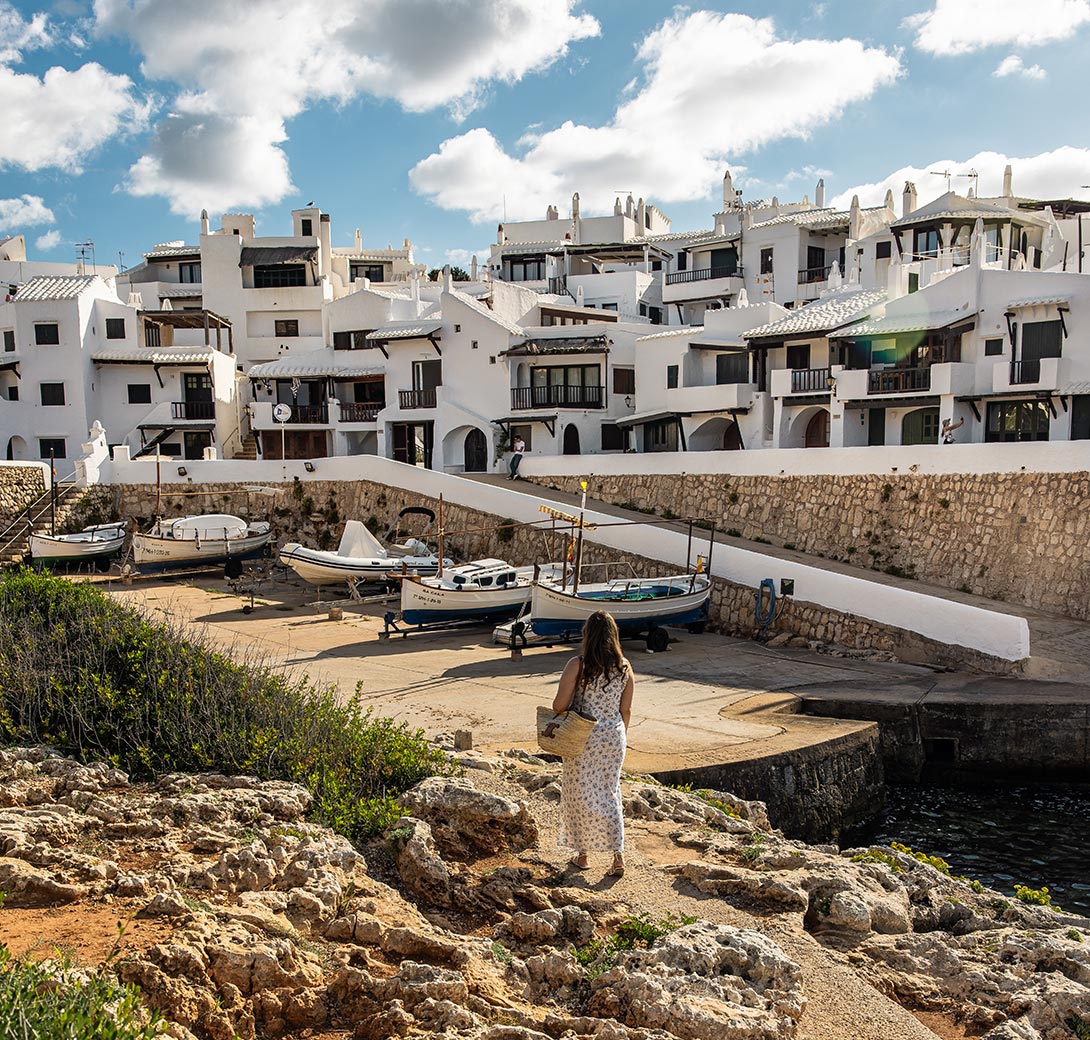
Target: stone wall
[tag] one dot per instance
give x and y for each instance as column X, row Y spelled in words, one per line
column 314, row 513
column 1015, row 537
column 19, row 486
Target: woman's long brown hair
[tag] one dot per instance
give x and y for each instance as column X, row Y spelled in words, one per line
column 601, row 651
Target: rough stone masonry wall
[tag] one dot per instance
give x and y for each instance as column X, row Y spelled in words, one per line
column 19, row 486
column 314, row 513
column 1015, row 537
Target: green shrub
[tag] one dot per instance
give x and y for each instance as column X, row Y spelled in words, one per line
column 40, row 1000
column 638, row 931
column 100, row 681
column 1079, row 1026
column 1035, row 896
column 1074, row 935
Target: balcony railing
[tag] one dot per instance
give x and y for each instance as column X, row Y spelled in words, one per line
column 814, row 274
column 416, row 398
column 353, row 412
column 558, row 396
column 702, row 274
column 1026, row 371
column 810, row 381
column 309, row 413
column 899, row 380
column 193, row 409
column 558, row 285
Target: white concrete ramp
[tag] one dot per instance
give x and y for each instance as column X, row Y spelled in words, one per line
column 990, row 632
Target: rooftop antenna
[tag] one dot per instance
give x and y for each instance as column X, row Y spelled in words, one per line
column 974, row 177
column 943, row 173
column 83, row 247
column 121, row 260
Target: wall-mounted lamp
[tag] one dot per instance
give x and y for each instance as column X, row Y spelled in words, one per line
column 308, row 466
column 628, row 400
column 181, row 471
column 830, row 383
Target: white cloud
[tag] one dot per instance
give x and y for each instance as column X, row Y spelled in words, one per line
column 963, row 26
column 50, row 240
column 257, row 63
column 24, row 211
column 1012, row 65
column 18, row 35
column 464, row 257
column 1051, row 175
column 712, row 86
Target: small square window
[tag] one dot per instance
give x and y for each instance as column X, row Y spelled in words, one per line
column 9, row 340
column 883, row 250
column 656, row 265
column 473, row 344
column 115, row 328
column 457, row 328
column 139, row 393
column 306, row 227
column 624, row 381
column 287, row 327
column 47, row 335
column 913, row 282
column 51, row 446
column 671, row 377
column 52, row 393
column 993, row 347
column 13, row 393
column 766, row 260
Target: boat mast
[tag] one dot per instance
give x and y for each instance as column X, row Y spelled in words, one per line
column 439, row 571
column 158, row 485
column 52, row 496
column 579, row 541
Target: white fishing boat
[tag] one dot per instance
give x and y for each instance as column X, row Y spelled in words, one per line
column 481, row 590
column 191, row 541
column 637, row 604
column 93, row 545
column 359, row 557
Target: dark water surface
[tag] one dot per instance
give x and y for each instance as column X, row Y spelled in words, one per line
column 1034, row 835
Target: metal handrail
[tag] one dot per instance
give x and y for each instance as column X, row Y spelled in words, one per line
column 1028, row 370
column 25, row 521
column 701, row 274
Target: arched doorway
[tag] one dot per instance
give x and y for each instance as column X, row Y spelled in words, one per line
column 17, row 449
column 920, row 427
column 571, row 439
column 817, row 430
column 732, row 437
column 476, row 452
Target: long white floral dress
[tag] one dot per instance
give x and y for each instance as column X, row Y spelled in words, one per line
column 591, row 817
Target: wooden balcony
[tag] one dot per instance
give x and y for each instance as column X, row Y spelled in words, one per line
column 409, row 399
column 810, row 381
column 559, row 396
column 193, row 409
column 702, row 274
column 899, row 381
column 353, row 412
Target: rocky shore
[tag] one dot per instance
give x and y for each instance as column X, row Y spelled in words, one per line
column 241, row 918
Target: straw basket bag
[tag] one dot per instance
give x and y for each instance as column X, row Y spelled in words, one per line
column 562, row 732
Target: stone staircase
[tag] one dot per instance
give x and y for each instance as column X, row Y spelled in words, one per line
column 35, row 518
column 248, row 451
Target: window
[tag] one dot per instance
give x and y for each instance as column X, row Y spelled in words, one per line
column 353, row 340
column 528, row 270
column 1017, row 421
column 287, row 327
column 194, row 442
column 682, row 260
column 613, row 437
column 798, row 355
column 926, row 242
column 725, row 260
column 279, row 276
column 139, row 393
column 876, row 427
column 47, row 334
column 13, row 393
column 370, row 391
column 473, row 344
column 913, row 282
column 372, row 272
column 115, row 328
column 731, row 368
column 624, row 381
column 427, row 375
column 993, row 347
column 524, row 432
column 51, row 447
column 9, row 340
column 655, row 314
column 52, row 393
column 660, row 436
column 1080, row 417
column 189, row 274
column 306, row 227
column 173, row 450
column 883, row 250
column 1041, row 339
column 920, row 427
column 656, row 265
column 151, row 334
column 766, row 260
column 671, row 376
column 609, row 306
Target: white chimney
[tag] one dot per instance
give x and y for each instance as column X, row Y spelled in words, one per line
column 359, row 241
column 473, row 267
column 448, row 281
column 204, row 222
column 819, row 194
column 641, row 215
column 617, row 211
column 729, row 198
column 908, row 199
column 629, row 207
column 1008, row 191
column 888, row 201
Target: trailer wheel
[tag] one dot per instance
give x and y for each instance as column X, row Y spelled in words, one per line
column 247, row 609
column 697, row 627
column 658, row 639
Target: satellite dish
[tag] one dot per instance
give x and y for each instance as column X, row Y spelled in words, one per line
column 282, row 412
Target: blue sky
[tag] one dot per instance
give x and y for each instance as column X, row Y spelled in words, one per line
column 427, row 118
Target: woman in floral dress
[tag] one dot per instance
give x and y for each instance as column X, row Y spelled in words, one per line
column 597, row 683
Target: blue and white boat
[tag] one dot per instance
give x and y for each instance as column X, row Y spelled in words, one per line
column 637, row 604
column 483, row 590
